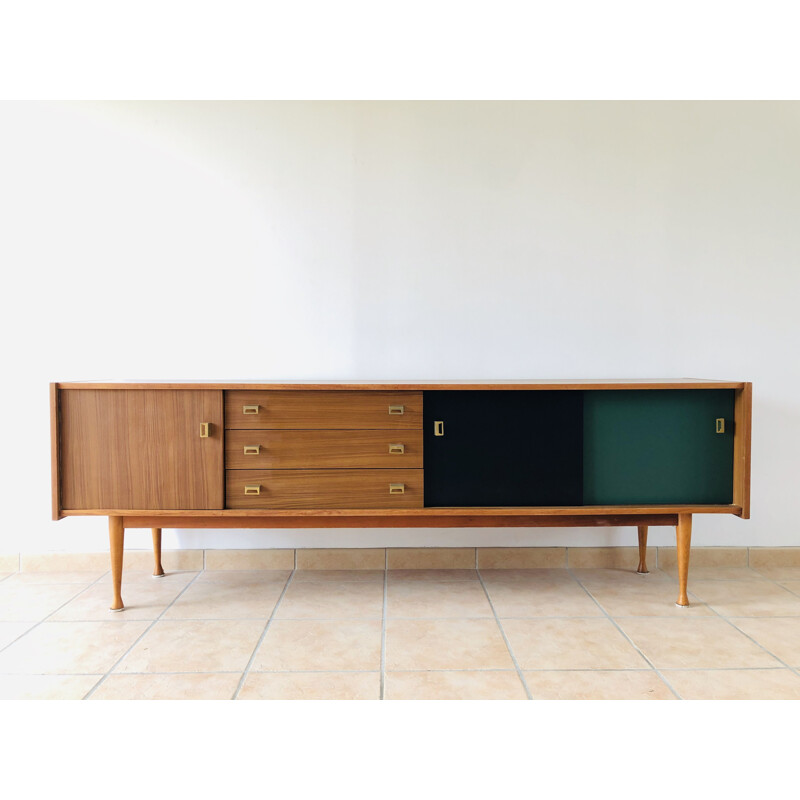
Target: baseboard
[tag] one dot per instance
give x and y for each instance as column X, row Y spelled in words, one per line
column 407, row 558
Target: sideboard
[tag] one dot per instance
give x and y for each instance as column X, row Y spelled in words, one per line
column 436, row 454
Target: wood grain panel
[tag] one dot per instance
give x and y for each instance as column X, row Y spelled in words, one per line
column 318, row 410
column 323, row 449
column 55, row 455
column 141, row 449
column 324, row 488
column 743, row 423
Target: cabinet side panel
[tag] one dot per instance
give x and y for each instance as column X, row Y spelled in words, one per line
column 141, row 449
column 55, row 457
column 741, row 448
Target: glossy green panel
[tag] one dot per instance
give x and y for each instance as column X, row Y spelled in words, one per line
column 657, row 446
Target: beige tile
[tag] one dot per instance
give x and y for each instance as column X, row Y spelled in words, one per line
column 445, row 644
column 695, row 643
column 245, row 577
column 30, row 602
column 330, row 646
column 70, row 648
column 171, row 560
column 780, row 636
column 417, row 599
column 41, row 578
column 46, row 687
column 534, row 577
column 523, row 599
column 735, row 684
column 338, row 576
column 218, row 600
column 747, row 598
column 455, row 685
column 717, row 574
column 9, row 562
column 792, row 586
column 774, row 557
column 704, row 557
column 145, row 577
column 779, row 573
column 311, row 686
column 622, row 578
column 657, row 600
column 431, row 558
column 608, row 557
column 597, row 685
column 64, row 562
column 5, row 575
column 249, row 559
column 332, row 600
column 343, row 558
column 9, row 631
column 570, row 644
column 435, row 575
column 198, row 686
column 142, row 599
column 521, row 557
column 194, row 646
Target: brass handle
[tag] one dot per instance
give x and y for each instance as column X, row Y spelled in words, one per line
column 251, row 449
column 438, row 428
column 721, row 425
column 397, row 449
column 204, row 427
column 250, row 409
column 397, row 409
column 397, row 488
column 251, row 489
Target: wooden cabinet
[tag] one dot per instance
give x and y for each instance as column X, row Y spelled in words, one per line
column 527, row 453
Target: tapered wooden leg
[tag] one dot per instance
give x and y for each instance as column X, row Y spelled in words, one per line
column 642, row 568
column 116, row 538
column 158, row 570
column 684, row 540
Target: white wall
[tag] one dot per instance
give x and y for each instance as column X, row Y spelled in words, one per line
column 404, row 241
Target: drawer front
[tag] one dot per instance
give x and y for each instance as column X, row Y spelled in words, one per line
column 321, row 409
column 323, row 449
column 326, row 488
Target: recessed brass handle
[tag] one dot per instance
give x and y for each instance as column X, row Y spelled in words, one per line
column 252, row 449
column 250, row 409
column 397, row 488
column 721, row 425
column 252, row 489
column 438, row 428
column 397, row 449
column 397, row 409
column 204, row 428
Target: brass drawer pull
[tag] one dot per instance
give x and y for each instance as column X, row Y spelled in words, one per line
column 397, row 449
column 721, row 425
column 397, row 488
column 252, row 489
column 204, row 428
column 397, row 409
column 438, row 428
column 250, row 409
column 252, row 449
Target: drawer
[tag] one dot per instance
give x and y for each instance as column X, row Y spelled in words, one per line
column 324, row 488
column 259, row 410
column 323, row 449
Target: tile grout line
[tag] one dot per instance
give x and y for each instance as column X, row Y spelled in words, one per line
column 139, row 638
column 261, row 638
column 628, row 638
column 514, row 661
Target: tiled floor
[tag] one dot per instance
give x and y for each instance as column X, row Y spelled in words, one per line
column 403, row 634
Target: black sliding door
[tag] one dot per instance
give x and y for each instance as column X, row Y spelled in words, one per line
column 503, row 448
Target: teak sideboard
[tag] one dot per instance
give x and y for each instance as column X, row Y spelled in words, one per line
column 431, row 455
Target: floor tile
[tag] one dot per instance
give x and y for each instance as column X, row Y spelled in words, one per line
column 747, row 598
column 81, row 578
column 70, row 648
column 311, row 686
column 455, row 685
column 131, row 576
column 649, row 601
column 777, row 573
column 329, row 645
column 245, row 577
column 418, row 599
column 533, row 576
column 32, row 602
column 735, row 684
column 792, row 586
column 194, row 646
column 695, row 643
column 515, row 557
column 341, row 558
column 570, row 644
column 621, row 578
column 445, row 644
column 197, row 686
column 717, row 574
column 436, row 575
column 46, row 687
column 338, row 576
column 597, row 685
column 781, row 636
column 249, row 559
column 332, row 600
column 12, row 630
column 523, row 599
column 217, row 600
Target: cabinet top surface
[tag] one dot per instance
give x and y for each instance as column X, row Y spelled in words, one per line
column 559, row 383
